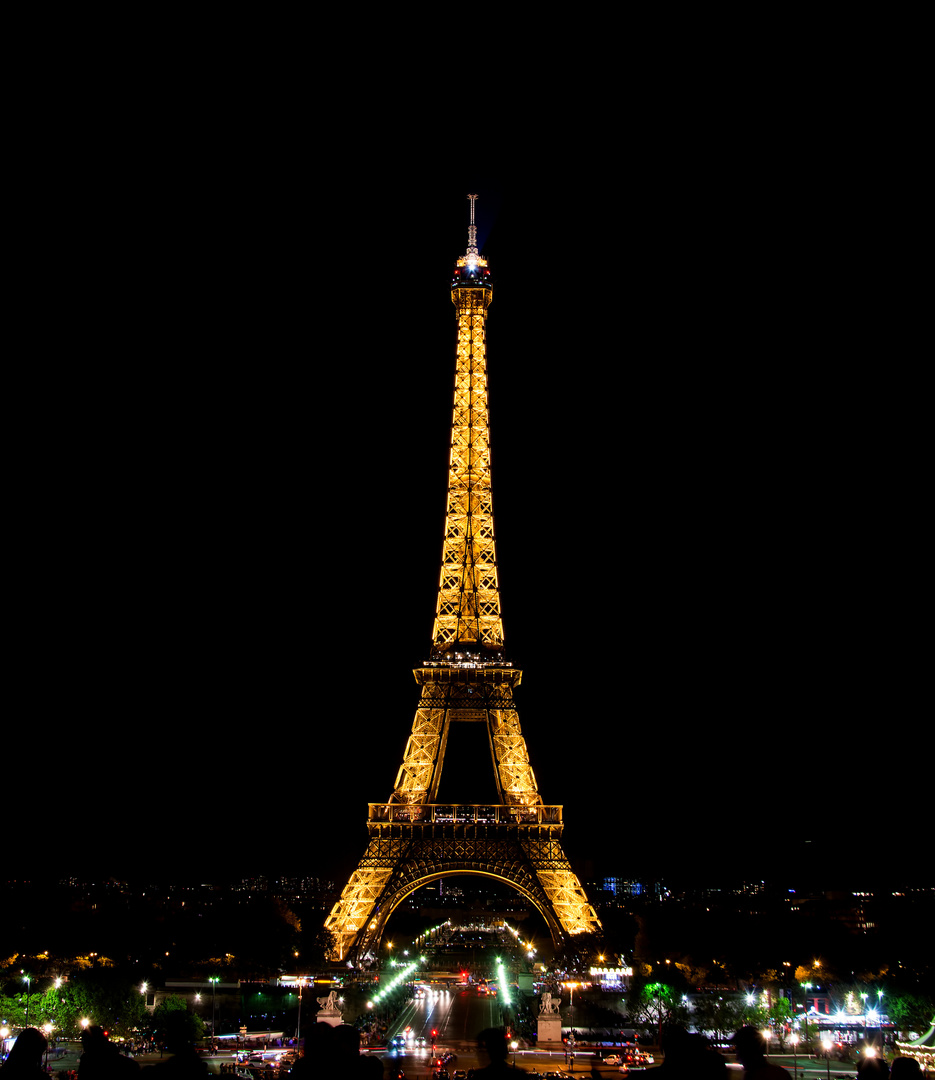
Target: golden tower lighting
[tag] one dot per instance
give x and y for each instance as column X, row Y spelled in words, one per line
column 414, row 840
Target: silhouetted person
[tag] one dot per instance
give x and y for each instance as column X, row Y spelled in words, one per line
column 872, row 1068
column 335, row 1051
column 494, row 1042
column 750, row 1047
column 24, row 1061
column 904, row 1068
column 102, row 1060
column 690, row 1056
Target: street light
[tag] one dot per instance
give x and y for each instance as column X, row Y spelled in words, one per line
column 571, row 1020
column 298, row 1026
column 826, row 1046
column 27, row 979
column 214, row 980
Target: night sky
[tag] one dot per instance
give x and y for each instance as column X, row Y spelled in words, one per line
column 708, row 555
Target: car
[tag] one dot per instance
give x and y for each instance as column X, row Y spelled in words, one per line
column 459, row 1074
column 638, row 1062
column 613, row 1059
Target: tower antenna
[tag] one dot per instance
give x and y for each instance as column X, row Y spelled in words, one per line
column 471, row 255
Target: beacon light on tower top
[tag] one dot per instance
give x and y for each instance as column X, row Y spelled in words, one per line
column 470, row 269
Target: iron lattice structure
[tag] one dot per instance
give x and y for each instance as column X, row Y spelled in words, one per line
column 414, row 839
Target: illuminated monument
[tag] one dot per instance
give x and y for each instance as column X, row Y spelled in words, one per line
column 414, row 839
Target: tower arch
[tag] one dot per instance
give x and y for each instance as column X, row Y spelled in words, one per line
column 370, row 940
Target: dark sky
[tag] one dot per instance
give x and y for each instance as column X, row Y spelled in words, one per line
column 708, row 550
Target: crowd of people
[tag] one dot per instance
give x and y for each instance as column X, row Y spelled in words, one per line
column 690, row 1057
column 335, row 1051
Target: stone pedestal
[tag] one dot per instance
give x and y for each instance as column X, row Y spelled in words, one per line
column 550, row 1031
column 332, row 1018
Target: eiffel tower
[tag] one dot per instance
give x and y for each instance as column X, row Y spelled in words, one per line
column 413, row 839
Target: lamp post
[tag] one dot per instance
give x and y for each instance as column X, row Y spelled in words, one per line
column 298, row 1026
column 27, row 979
column 571, row 1020
column 213, row 979
column 826, row 1046
column 795, row 1054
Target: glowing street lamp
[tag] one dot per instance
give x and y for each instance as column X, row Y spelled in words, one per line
column 806, row 987
column 826, row 1046
column 214, row 980
column 298, row 1025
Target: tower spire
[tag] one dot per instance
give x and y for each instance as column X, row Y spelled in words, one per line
column 471, row 254
column 471, row 264
column 467, row 615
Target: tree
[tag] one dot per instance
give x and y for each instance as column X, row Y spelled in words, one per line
column 911, row 1012
column 13, row 1010
column 716, row 1015
column 655, row 1004
column 174, row 1025
column 104, row 997
column 779, row 1015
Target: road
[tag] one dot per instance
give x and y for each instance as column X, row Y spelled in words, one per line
column 459, row 1015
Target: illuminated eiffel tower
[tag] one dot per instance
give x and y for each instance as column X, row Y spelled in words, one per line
column 414, row 839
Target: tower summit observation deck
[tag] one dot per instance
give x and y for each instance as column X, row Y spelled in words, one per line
column 413, row 839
